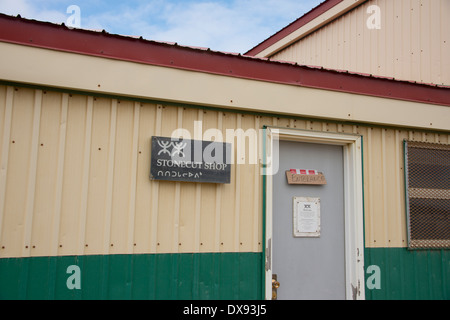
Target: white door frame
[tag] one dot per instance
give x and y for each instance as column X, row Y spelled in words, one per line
column 353, row 201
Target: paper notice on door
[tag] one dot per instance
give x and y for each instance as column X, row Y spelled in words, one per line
column 306, row 216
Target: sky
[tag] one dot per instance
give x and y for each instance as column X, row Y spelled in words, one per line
column 221, row 25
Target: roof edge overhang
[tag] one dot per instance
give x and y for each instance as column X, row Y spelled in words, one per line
column 45, row 35
column 319, row 16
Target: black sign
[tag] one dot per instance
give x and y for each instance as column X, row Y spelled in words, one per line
column 190, row 160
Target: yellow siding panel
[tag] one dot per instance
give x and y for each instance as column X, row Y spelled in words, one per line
column 45, row 214
column 208, row 196
column 72, row 193
column 18, row 175
column 32, row 170
column 189, row 195
column 6, row 104
column 445, row 42
column 228, row 197
column 168, row 202
column 144, row 190
column 247, row 218
column 412, row 43
column 95, row 232
column 121, row 237
column 414, row 34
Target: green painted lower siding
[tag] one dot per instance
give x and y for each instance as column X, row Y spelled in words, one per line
column 215, row 276
column 391, row 273
column 407, row 274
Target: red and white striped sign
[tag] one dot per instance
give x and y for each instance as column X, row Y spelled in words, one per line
column 304, row 171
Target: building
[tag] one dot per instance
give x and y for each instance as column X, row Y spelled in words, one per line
column 404, row 40
column 81, row 217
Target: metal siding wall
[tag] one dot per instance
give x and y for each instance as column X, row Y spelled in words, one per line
column 384, row 184
column 412, row 44
column 75, row 179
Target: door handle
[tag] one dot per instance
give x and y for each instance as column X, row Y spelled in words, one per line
column 275, row 286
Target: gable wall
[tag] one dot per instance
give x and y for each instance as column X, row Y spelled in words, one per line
column 412, row 43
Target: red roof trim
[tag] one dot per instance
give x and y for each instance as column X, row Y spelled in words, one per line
column 101, row 44
column 297, row 24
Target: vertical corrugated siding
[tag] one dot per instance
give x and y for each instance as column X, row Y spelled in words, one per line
column 412, row 44
column 74, row 179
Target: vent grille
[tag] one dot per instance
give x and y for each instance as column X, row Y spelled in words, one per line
column 428, row 194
